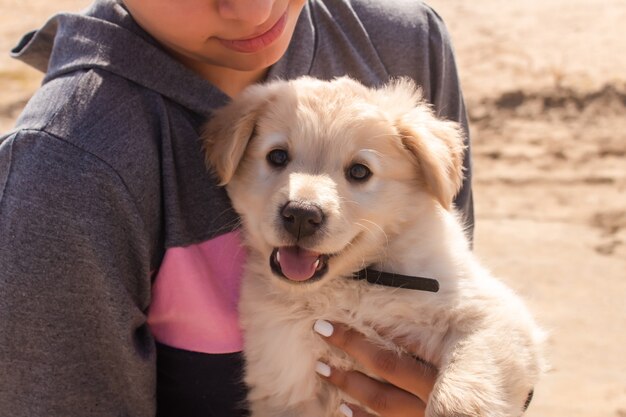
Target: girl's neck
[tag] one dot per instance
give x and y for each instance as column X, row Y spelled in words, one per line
column 228, row 80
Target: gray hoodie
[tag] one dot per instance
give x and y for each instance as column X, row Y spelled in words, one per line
column 119, row 260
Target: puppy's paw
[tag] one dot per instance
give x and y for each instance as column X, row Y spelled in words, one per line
column 477, row 400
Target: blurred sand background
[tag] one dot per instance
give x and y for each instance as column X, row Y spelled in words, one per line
column 545, row 84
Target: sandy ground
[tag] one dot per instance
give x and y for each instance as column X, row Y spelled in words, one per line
column 545, row 84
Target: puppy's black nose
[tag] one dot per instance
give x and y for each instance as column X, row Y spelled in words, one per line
column 301, row 219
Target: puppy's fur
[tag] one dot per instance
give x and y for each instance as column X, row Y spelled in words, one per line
column 400, row 219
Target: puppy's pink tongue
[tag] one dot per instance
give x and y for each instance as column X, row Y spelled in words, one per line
column 296, row 263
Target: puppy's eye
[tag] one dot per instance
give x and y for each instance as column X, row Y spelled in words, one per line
column 278, row 158
column 359, row 172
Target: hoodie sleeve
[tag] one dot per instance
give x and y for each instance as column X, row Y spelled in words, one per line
column 446, row 95
column 74, row 285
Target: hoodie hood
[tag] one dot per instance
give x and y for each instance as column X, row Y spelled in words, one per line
column 106, row 37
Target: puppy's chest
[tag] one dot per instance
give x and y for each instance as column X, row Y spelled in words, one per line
column 372, row 310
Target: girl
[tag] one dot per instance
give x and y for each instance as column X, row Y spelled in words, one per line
column 119, row 255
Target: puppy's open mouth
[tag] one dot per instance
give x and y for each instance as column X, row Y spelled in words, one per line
column 297, row 264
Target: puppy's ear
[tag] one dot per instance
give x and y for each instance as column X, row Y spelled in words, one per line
column 226, row 136
column 436, row 147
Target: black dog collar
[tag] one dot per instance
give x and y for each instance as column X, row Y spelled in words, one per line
column 397, row 281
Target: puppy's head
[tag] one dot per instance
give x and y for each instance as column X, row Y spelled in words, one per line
column 324, row 173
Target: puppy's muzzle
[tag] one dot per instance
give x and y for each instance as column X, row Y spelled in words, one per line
column 301, row 219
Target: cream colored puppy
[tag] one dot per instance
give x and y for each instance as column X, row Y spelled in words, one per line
column 331, row 177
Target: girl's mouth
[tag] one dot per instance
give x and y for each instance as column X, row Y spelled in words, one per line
column 258, row 42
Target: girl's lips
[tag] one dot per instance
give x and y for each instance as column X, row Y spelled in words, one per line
column 258, row 42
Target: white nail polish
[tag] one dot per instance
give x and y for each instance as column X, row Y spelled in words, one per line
column 322, row 369
column 323, row 327
column 345, row 410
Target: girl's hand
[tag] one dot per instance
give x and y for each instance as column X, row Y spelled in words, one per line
column 408, row 380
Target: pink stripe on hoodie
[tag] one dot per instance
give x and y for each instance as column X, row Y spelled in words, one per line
column 195, row 295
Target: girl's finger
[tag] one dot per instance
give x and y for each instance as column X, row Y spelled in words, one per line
column 351, row 410
column 385, row 399
column 403, row 371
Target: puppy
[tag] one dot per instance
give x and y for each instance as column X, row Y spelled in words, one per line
column 330, row 178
